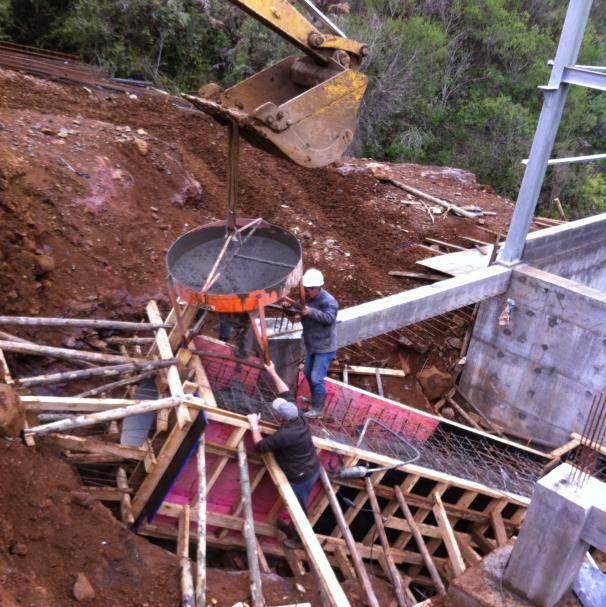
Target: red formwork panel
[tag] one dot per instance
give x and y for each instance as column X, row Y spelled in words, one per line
column 224, row 496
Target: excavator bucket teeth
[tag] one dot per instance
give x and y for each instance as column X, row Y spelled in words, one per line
column 294, row 108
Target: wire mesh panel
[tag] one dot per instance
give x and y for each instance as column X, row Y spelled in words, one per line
column 242, row 387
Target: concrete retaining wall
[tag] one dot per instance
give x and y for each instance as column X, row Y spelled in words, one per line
column 576, row 250
column 538, row 375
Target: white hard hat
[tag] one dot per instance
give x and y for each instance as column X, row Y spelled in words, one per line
column 313, row 278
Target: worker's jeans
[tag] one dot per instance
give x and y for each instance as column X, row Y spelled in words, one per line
column 303, row 489
column 315, row 370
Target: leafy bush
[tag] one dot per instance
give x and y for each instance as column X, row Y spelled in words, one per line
column 451, row 82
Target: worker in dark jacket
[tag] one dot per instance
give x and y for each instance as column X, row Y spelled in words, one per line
column 291, row 445
column 319, row 320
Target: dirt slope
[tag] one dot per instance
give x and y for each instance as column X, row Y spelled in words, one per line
column 48, row 535
column 95, row 186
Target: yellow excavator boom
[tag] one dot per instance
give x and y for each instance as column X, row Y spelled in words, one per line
column 303, row 108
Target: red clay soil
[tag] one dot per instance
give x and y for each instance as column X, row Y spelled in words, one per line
column 83, row 185
column 50, row 532
column 93, row 189
column 48, row 535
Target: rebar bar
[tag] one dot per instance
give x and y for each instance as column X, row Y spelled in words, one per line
column 585, row 461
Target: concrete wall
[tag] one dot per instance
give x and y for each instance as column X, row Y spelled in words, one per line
column 576, row 250
column 538, row 375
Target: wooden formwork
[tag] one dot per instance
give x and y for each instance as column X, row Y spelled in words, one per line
column 458, row 520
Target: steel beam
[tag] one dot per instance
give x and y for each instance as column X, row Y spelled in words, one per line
column 549, row 120
column 381, row 316
column 588, row 78
column 573, row 159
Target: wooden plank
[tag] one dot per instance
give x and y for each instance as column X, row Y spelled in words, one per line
column 447, row 245
column 105, row 494
column 418, row 275
column 591, row 444
column 233, row 441
column 92, row 445
column 256, row 588
column 498, row 528
column 469, row 554
column 406, row 486
column 70, row 403
column 346, row 568
column 360, row 370
column 166, row 353
column 327, row 577
column 573, row 443
column 429, row 564
column 450, row 541
column 164, row 458
column 482, row 243
column 463, row 504
column 392, row 570
column 214, row 519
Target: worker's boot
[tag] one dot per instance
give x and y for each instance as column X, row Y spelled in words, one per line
column 317, row 405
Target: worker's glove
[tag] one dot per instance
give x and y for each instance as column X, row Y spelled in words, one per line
column 253, row 420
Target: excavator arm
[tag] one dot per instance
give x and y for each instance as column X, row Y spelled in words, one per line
column 303, row 108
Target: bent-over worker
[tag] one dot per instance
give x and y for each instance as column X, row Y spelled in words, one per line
column 319, row 320
column 292, row 444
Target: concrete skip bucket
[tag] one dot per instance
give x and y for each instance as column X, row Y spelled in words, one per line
column 295, row 109
column 235, row 271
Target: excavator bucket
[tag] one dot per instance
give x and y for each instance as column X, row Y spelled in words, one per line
column 295, row 108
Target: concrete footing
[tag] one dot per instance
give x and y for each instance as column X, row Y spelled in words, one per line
column 563, row 521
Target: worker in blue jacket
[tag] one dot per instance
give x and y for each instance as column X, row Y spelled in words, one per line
column 319, row 320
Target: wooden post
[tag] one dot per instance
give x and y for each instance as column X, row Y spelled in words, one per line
column 351, row 544
column 135, row 379
column 66, row 353
column 394, row 574
column 40, row 321
column 450, row 541
column 326, row 575
column 126, row 509
column 429, row 564
column 256, row 590
column 187, row 583
column 201, row 507
column 111, row 371
column 379, row 383
column 80, row 421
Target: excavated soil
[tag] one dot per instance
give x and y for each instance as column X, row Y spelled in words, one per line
column 94, row 187
column 50, row 532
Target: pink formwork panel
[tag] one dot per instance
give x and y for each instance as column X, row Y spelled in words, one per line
column 224, row 496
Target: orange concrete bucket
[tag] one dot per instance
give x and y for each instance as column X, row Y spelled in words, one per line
column 235, row 271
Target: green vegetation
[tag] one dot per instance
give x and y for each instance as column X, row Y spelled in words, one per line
column 452, row 82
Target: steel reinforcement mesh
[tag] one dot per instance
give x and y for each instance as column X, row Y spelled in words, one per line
column 244, row 389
